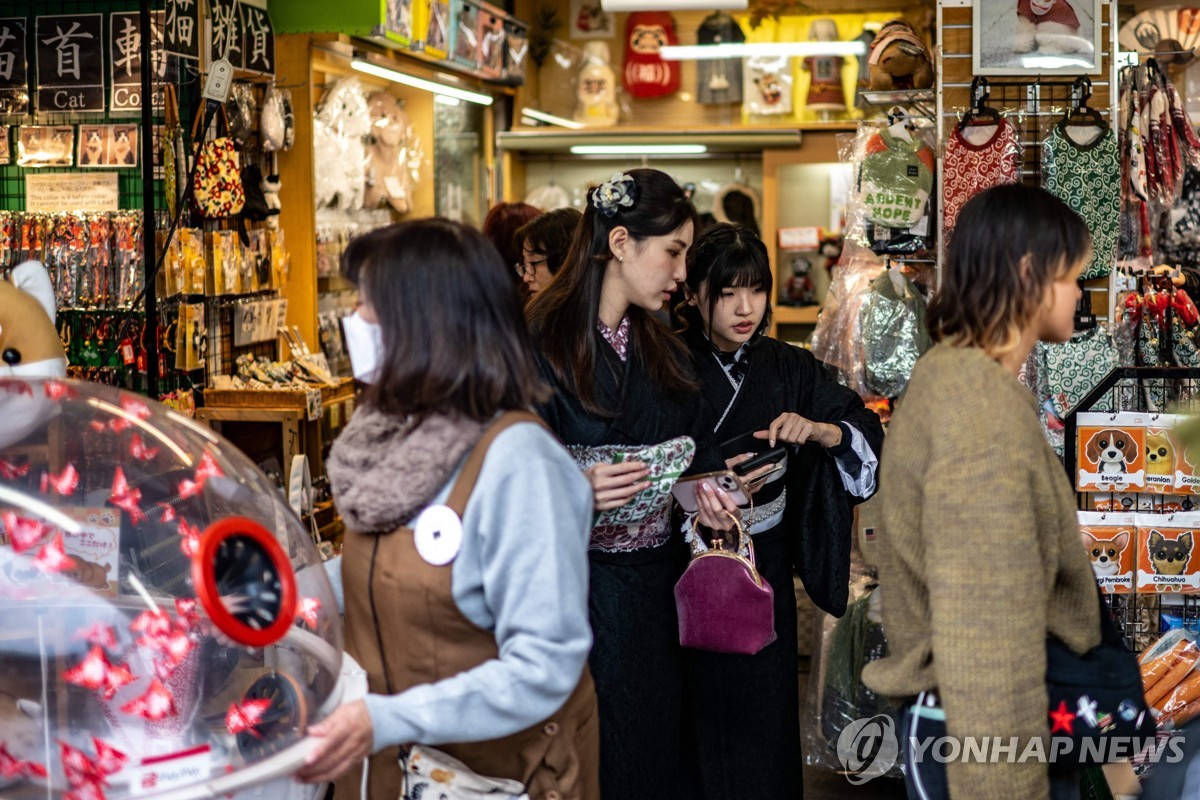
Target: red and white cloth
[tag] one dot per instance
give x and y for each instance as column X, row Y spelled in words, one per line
column 971, row 168
column 1039, row 11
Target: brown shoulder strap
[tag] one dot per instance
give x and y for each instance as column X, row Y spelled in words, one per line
column 460, row 493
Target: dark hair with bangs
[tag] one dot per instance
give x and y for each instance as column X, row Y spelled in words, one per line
column 549, row 235
column 1010, row 244
column 726, row 255
column 454, row 336
column 563, row 316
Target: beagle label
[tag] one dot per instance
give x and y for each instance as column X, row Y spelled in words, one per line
column 1110, row 541
column 1111, row 450
column 1166, row 560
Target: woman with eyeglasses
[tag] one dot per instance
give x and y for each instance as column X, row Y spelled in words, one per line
column 543, row 243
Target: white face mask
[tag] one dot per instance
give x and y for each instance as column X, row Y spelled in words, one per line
column 364, row 344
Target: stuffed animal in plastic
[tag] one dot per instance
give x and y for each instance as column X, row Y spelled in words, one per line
column 899, row 59
column 29, row 345
column 29, row 348
column 340, row 157
column 387, row 174
column 270, row 190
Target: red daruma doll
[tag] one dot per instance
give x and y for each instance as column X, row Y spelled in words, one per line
column 646, row 74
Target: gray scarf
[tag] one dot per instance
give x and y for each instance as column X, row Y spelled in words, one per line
column 383, row 470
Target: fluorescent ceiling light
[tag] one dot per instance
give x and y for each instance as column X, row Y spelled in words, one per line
column 446, row 100
column 674, row 5
column 709, row 52
column 542, row 116
column 638, row 149
column 420, row 83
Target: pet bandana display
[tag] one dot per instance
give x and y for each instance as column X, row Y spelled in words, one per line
column 972, row 165
column 719, row 80
column 1087, row 177
column 646, row 75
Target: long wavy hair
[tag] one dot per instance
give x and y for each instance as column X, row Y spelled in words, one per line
column 564, row 316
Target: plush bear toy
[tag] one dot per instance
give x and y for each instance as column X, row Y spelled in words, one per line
column 899, row 59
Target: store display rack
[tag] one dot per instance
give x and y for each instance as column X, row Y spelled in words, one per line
column 1146, row 390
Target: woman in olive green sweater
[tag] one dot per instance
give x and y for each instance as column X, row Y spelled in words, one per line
column 980, row 552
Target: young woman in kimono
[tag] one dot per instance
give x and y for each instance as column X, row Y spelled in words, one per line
column 763, row 393
column 623, row 384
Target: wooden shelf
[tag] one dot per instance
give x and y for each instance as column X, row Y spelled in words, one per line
column 793, row 315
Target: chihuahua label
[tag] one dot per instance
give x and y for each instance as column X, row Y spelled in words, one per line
column 1112, row 451
column 1110, row 541
column 1166, row 559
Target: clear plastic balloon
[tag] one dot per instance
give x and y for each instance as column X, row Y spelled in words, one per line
column 166, row 626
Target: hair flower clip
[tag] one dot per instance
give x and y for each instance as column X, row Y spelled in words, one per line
column 619, row 191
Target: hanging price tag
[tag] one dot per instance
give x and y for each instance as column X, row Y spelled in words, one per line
column 126, row 348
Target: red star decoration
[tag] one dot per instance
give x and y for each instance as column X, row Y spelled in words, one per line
column 1062, row 719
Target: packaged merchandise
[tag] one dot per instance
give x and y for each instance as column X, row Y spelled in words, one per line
column 768, row 86
column 1165, row 560
column 1111, row 451
column 1110, row 541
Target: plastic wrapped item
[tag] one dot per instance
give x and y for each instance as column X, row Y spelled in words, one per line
column 768, row 89
column 894, row 336
column 836, row 695
column 340, row 127
column 166, row 626
column 837, row 340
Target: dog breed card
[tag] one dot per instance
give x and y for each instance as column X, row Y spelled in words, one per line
column 1161, row 450
column 1187, row 464
column 1110, row 541
column 1111, row 449
column 1166, row 547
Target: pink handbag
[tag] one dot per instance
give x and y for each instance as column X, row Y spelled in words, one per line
column 724, row 605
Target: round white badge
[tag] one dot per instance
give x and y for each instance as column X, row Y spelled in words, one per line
column 438, row 535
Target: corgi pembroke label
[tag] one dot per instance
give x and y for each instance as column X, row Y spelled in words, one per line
column 1166, row 558
column 1110, row 541
column 1111, row 450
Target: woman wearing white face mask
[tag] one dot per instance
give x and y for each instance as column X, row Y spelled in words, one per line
column 464, row 571
column 763, row 394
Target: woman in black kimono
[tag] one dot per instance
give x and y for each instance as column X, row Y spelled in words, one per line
column 623, row 384
column 763, row 393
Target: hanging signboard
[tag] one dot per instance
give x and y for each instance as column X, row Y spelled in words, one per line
column 182, row 34
column 70, row 63
column 14, row 70
column 258, row 39
column 225, row 33
column 125, row 60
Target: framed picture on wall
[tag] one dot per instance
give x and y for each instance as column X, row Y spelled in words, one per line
column 1037, row 37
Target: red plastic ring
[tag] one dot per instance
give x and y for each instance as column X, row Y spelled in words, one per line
column 204, row 578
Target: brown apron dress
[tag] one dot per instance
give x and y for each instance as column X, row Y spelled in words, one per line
column 403, row 627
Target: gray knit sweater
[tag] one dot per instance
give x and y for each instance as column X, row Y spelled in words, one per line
column 980, row 557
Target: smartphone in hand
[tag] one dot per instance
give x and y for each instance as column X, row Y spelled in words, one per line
column 684, row 489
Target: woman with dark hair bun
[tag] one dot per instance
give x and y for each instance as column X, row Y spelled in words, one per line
column 544, row 242
column 980, row 561
column 464, row 571
column 764, row 394
column 624, row 385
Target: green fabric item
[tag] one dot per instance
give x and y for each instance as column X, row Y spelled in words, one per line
column 895, row 183
column 1088, row 179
